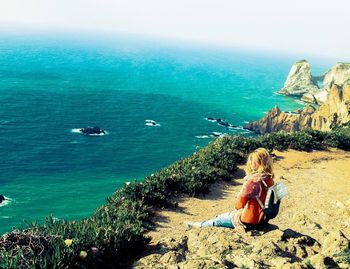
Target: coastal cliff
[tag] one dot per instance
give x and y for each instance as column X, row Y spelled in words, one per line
column 314, row 89
column 339, row 74
column 334, row 112
column 300, row 80
column 331, row 103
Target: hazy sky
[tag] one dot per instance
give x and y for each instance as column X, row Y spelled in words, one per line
column 310, row 26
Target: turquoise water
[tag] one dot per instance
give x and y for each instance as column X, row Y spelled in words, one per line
column 51, row 85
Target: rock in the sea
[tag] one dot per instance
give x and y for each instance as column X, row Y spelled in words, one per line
column 300, row 80
column 92, row 131
column 334, row 112
column 2, row 198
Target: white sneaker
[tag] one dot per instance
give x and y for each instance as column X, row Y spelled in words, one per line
column 192, row 224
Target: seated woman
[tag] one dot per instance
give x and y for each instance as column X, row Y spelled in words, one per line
column 248, row 212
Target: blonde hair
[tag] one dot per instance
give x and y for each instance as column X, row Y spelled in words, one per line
column 263, row 161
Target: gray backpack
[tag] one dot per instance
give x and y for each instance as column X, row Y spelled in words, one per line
column 274, row 195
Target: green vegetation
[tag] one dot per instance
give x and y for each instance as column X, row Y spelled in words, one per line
column 345, row 256
column 309, row 265
column 114, row 234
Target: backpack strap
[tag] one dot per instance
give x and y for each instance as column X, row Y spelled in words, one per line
column 260, row 203
column 264, row 183
column 257, row 197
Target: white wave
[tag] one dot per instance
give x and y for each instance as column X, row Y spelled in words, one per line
column 202, row 136
column 299, row 102
column 76, row 130
column 218, row 134
column 152, row 124
column 151, row 121
column 239, row 128
column 101, row 134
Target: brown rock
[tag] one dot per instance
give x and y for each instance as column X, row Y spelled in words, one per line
column 299, row 80
column 335, row 243
column 171, row 257
column 334, row 112
column 339, row 74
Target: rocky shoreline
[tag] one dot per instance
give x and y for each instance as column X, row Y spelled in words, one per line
column 330, row 104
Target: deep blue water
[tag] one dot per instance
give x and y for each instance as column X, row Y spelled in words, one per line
column 51, row 85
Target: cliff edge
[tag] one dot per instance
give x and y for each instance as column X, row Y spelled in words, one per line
column 311, row 231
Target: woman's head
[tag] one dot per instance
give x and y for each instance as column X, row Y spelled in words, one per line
column 259, row 161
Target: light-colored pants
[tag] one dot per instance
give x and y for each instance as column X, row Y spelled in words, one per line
column 223, row 220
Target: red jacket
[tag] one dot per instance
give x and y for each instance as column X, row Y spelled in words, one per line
column 252, row 212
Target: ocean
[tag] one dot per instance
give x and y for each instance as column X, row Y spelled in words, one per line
column 52, row 84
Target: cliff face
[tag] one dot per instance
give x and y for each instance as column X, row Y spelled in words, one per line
column 338, row 74
column 334, row 112
column 300, row 80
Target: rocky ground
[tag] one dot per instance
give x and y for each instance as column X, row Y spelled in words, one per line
column 313, row 226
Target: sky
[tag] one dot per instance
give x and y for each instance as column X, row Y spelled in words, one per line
column 317, row 27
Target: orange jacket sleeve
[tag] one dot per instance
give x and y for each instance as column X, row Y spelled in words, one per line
column 241, row 202
column 249, row 189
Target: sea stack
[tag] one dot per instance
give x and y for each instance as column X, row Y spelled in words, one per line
column 300, row 80
column 314, row 89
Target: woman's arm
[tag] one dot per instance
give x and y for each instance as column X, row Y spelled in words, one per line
column 249, row 190
column 241, row 202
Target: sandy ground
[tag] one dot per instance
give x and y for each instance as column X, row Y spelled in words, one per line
column 318, row 195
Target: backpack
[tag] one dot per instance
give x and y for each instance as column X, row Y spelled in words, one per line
column 274, row 195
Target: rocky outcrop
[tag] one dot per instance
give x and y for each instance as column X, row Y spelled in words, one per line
column 338, row 74
column 300, row 80
column 229, row 248
column 334, row 112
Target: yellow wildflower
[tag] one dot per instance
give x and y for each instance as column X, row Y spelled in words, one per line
column 83, row 254
column 68, row 242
